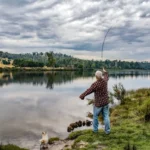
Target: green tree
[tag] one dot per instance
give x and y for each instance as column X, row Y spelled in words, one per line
column 1, row 53
column 5, row 62
column 51, row 60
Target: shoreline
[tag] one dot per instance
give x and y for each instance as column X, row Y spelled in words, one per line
column 62, row 69
column 36, row 69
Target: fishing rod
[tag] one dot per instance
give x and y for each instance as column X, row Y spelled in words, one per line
column 104, row 42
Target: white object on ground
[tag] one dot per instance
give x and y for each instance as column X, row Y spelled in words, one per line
column 44, row 139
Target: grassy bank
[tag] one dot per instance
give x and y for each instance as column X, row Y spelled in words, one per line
column 10, row 147
column 130, row 123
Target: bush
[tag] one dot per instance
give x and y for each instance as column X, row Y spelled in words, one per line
column 119, row 92
column 145, row 110
column 5, row 62
column 52, row 140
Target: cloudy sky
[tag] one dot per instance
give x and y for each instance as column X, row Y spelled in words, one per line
column 77, row 27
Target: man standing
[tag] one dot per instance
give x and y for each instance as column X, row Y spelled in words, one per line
column 101, row 100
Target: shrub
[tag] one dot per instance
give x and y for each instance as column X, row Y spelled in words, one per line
column 119, row 92
column 52, row 140
column 145, row 110
column 5, row 62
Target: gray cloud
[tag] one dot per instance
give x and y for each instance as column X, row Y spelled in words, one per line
column 14, row 3
column 76, row 26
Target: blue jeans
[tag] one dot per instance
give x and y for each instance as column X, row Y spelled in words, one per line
column 105, row 113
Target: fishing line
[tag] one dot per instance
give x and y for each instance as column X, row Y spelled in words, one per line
column 104, row 42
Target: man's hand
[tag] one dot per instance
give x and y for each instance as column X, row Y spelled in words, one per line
column 81, row 97
column 104, row 70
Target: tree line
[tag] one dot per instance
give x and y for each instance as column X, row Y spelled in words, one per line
column 51, row 59
column 27, row 63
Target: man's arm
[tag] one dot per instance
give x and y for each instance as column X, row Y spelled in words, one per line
column 105, row 74
column 88, row 91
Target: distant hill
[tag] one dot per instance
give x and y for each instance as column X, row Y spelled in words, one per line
column 63, row 60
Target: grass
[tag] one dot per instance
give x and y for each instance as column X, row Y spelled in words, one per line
column 128, row 123
column 10, row 147
column 53, row 139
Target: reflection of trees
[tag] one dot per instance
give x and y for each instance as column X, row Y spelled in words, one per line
column 58, row 77
column 50, row 81
column 63, row 77
column 40, row 78
column 21, row 77
column 131, row 74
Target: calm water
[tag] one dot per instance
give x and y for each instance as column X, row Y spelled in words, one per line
column 34, row 102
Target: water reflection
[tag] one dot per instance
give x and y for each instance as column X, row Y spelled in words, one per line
column 33, row 102
column 57, row 78
column 48, row 78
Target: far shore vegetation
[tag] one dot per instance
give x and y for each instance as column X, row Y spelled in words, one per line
column 57, row 61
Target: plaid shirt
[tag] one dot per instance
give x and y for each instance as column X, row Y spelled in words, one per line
column 100, row 91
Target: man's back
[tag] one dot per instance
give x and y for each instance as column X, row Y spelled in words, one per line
column 100, row 91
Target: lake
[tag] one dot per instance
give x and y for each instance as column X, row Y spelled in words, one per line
column 32, row 102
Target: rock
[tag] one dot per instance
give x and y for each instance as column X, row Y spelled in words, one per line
column 70, row 128
column 83, row 123
column 82, row 144
column 61, row 145
column 44, row 147
column 80, row 123
column 88, row 123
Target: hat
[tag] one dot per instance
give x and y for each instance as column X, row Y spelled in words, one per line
column 98, row 74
